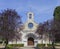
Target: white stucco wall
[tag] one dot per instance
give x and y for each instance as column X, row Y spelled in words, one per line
column 28, row 30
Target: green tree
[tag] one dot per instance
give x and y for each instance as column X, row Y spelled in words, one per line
column 57, row 13
column 57, row 22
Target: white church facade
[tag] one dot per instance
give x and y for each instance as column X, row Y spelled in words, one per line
column 29, row 37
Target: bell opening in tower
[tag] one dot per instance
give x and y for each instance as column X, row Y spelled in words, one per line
column 30, row 16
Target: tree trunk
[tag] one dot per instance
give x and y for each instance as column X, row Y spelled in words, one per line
column 53, row 45
column 42, row 39
column 6, row 43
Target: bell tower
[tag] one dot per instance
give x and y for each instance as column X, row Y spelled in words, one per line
column 30, row 16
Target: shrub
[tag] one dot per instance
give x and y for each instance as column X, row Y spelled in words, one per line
column 49, row 45
column 14, row 45
column 0, row 42
column 40, row 45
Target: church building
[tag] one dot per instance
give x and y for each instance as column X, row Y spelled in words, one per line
column 29, row 35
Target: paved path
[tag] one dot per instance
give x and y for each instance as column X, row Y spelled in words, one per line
column 35, row 48
column 28, row 48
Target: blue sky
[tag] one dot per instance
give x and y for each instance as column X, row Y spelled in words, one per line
column 43, row 9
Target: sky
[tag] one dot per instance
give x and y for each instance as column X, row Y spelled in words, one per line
column 43, row 9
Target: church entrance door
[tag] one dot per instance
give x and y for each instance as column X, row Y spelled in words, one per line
column 30, row 41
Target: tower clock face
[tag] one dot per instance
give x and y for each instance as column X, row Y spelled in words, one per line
column 30, row 25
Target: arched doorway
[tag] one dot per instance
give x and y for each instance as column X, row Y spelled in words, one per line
column 30, row 41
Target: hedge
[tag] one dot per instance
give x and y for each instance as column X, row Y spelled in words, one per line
column 15, row 45
column 40, row 45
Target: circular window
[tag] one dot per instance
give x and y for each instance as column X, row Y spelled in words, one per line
column 30, row 25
